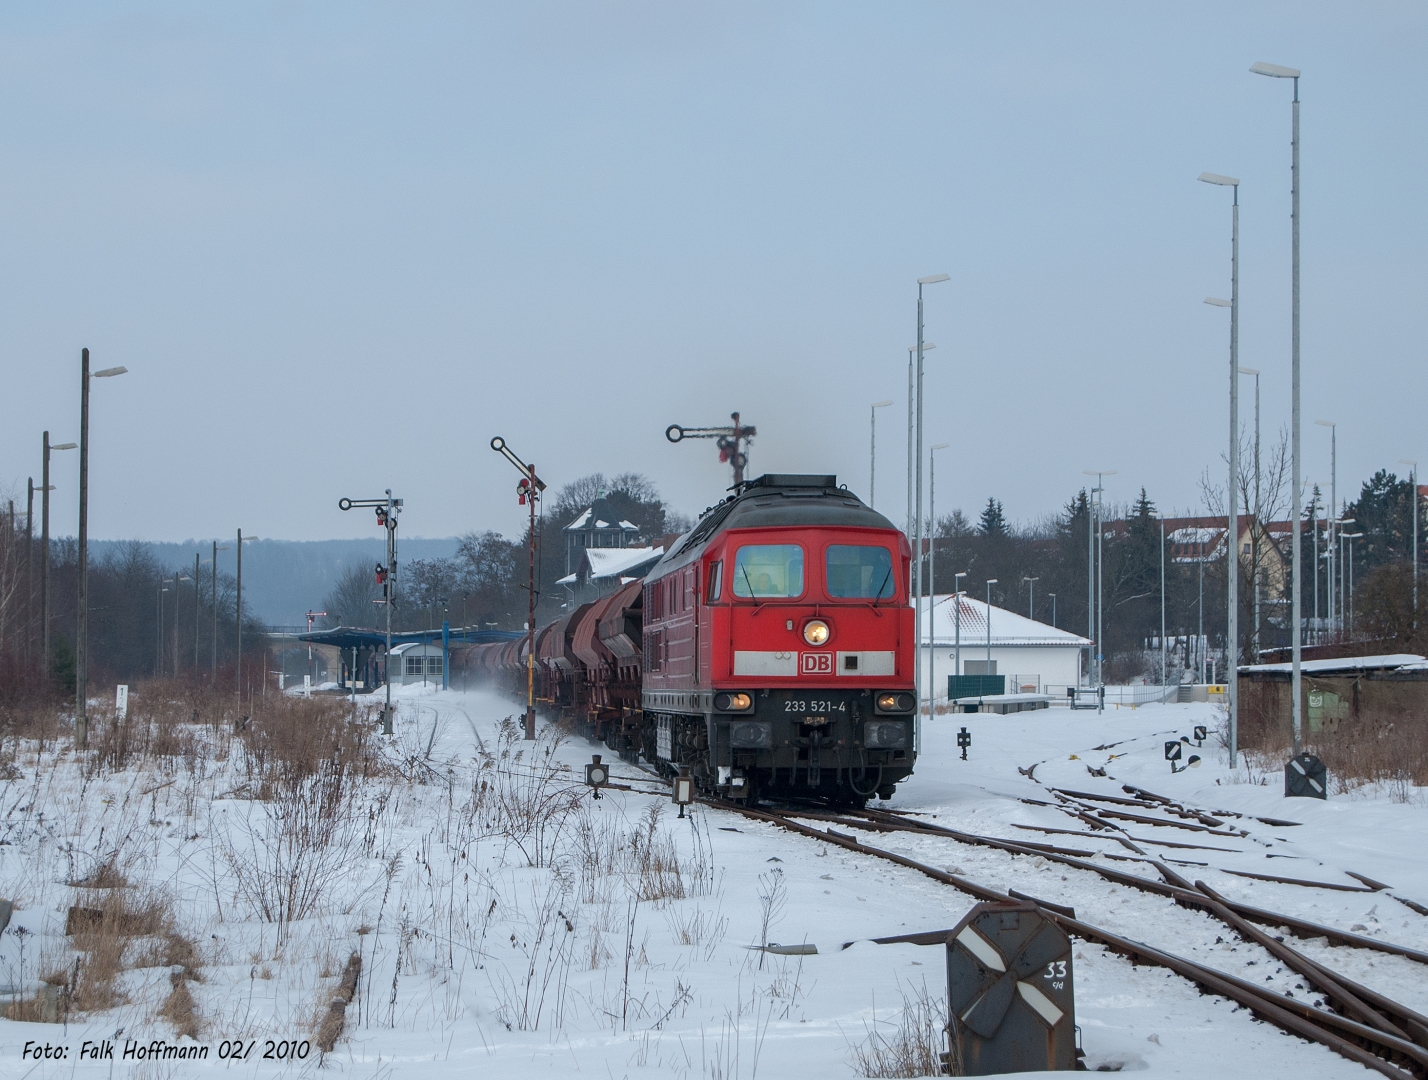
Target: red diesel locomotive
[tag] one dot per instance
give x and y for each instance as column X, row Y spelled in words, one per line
column 776, row 650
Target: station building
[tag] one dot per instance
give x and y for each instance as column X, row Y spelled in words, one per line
column 1029, row 657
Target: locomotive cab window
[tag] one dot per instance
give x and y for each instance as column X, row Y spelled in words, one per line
column 768, row 571
column 860, row 571
column 716, row 583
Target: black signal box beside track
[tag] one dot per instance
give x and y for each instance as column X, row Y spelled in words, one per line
column 1009, row 992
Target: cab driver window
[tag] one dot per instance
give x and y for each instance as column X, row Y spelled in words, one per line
column 768, row 571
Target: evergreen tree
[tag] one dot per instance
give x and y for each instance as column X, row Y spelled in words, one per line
column 993, row 522
column 1383, row 512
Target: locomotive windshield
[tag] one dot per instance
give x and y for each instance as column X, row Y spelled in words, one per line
column 769, row 571
column 859, row 571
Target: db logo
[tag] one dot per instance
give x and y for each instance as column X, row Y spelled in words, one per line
column 817, row 663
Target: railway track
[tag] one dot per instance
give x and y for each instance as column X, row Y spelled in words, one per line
column 1364, row 1026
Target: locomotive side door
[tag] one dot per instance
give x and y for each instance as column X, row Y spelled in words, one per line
column 690, row 582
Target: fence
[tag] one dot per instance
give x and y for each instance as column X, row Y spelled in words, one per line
column 1140, row 695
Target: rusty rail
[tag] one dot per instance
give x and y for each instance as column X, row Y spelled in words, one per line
column 1367, row 1045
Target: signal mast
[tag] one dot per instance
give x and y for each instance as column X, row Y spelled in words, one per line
column 731, row 442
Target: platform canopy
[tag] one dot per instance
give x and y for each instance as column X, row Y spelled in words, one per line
column 355, row 637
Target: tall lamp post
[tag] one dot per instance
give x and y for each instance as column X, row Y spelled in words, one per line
column 957, row 622
column 1332, row 521
column 1094, row 617
column 163, row 587
column 178, row 593
column 214, row 560
column 45, row 549
column 932, row 577
column 927, row 346
column 196, row 564
column 932, row 279
column 1342, row 583
column 1275, row 71
column 873, row 451
column 1031, row 601
column 1164, row 660
column 529, row 491
column 1257, row 533
column 238, row 608
column 1349, row 565
column 1413, row 480
column 1053, row 610
column 81, row 643
column 990, row 583
column 1232, row 508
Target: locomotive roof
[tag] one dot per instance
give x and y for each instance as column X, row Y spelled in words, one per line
column 777, row 500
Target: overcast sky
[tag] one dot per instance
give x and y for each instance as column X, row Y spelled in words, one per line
column 340, row 246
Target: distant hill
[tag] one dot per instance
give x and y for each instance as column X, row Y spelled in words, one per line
column 283, row 579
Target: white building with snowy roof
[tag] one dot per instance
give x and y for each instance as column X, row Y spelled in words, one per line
column 1033, row 657
column 606, row 569
column 597, row 526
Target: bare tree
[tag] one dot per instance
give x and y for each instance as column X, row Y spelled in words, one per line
column 350, row 601
column 1271, row 498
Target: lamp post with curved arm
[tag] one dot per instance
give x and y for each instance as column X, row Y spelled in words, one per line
column 1276, row 71
column 81, row 642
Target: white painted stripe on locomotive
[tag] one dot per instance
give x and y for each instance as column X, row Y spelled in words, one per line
column 766, row 663
column 868, row 663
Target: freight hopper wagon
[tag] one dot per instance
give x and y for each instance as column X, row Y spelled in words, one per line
column 769, row 653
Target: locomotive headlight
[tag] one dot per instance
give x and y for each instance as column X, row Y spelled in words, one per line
column 816, row 632
column 733, row 702
column 893, row 702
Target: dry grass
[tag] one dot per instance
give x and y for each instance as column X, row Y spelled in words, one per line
column 912, row 1045
column 1386, row 746
column 179, row 1009
column 106, row 936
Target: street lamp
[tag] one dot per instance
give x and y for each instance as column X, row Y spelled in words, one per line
column 1351, row 537
column 1255, row 534
column 927, row 346
column 163, row 587
column 45, row 549
column 990, row 583
column 196, row 582
column 873, row 451
column 177, row 595
column 1031, row 601
column 957, row 621
column 931, row 279
column 214, row 560
column 1053, row 610
column 238, row 607
column 1342, row 583
column 932, row 577
column 81, row 645
column 1413, row 479
column 1275, row 71
column 1331, row 526
column 1094, row 616
column 1232, row 510
column 1164, row 661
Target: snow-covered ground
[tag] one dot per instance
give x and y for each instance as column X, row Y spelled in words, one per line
column 526, row 929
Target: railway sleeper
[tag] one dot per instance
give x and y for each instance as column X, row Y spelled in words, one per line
column 1372, row 1048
